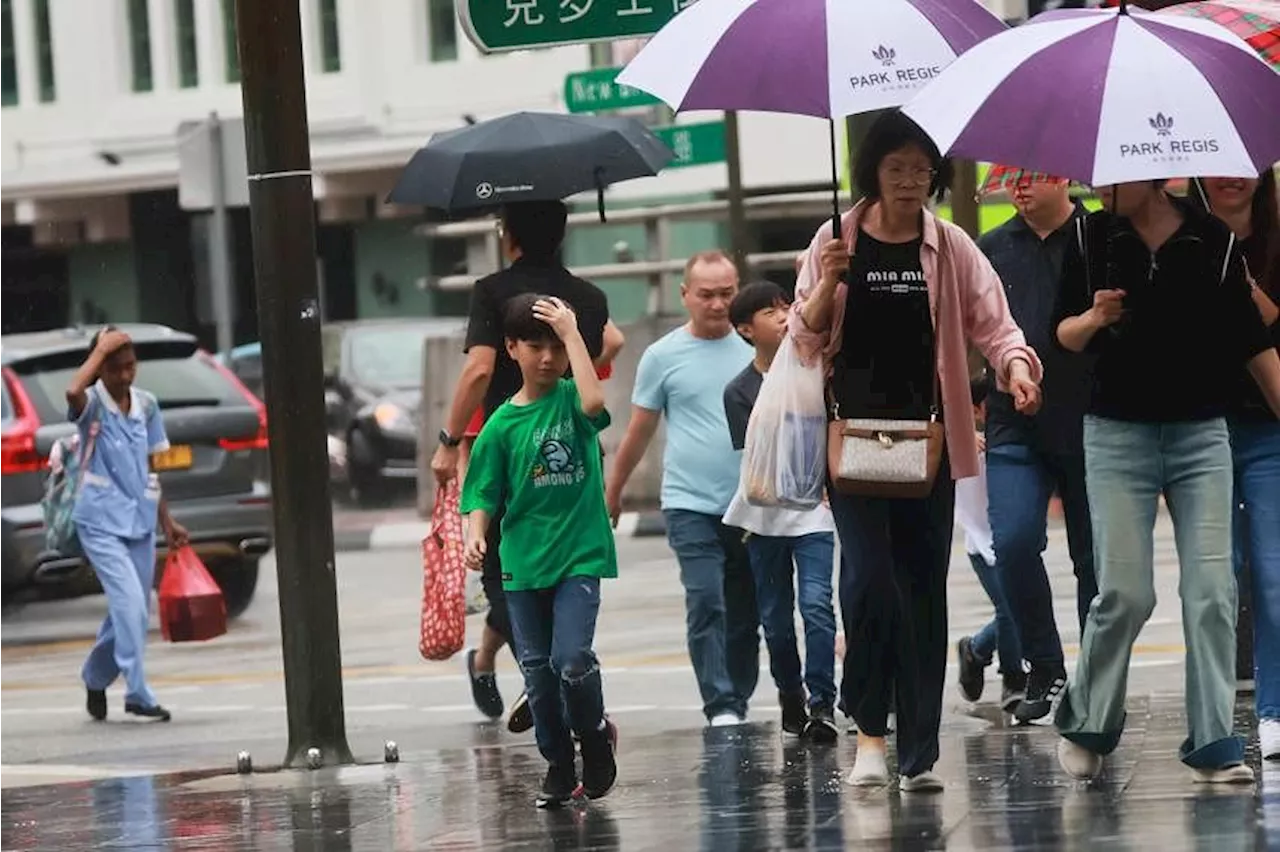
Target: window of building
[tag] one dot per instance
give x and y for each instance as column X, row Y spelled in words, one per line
column 184, row 33
column 442, row 30
column 230, row 42
column 140, row 45
column 330, row 46
column 44, row 52
column 8, row 57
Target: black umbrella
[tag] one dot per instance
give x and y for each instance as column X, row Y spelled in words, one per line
column 528, row 156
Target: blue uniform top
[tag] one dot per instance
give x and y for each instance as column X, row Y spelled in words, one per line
column 119, row 495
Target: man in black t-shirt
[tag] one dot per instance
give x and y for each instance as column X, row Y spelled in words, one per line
column 532, row 234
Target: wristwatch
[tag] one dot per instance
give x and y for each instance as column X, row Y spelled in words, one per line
column 447, row 440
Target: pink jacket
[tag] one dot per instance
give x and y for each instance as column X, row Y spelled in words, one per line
column 974, row 308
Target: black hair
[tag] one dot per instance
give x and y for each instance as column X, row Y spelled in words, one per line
column 519, row 323
column 536, row 227
column 978, row 389
column 892, row 132
column 754, row 297
column 97, row 335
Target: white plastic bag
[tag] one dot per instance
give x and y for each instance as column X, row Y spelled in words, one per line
column 784, row 462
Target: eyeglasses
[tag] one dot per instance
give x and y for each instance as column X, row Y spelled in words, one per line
column 910, row 177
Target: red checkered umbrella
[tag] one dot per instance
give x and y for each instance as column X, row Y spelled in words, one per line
column 1004, row 178
column 1255, row 21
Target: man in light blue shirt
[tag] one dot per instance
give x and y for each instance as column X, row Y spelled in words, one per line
column 682, row 376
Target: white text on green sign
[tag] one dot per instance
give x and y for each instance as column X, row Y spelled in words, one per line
column 597, row 91
column 694, row 144
column 495, row 26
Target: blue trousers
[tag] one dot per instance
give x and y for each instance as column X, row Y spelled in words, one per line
column 554, row 630
column 126, row 569
column 1001, row 632
column 772, row 560
column 722, row 624
column 1255, row 451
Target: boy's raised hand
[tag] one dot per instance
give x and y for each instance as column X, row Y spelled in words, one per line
column 558, row 315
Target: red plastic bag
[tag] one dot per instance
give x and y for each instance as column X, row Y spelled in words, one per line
column 191, row 604
column 444, row 580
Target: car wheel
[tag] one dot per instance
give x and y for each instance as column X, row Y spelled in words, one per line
column 238, row 579
column 362, row 471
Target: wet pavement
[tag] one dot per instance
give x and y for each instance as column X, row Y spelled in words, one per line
column 716, row 789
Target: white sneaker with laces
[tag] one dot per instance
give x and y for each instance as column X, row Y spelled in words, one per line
column 726, row 720
column 1269, row 738
column 1238, row 774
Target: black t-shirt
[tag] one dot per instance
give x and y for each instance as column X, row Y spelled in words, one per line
column 887, row 360
column 1250, row 404
column 490, row 294
column 1188, row 331
column 739, row 398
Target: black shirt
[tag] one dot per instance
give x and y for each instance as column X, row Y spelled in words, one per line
column 887, row 361
column 1251, row 405
column 739, row 398
column 1187, row 332
column 490, row 294
column 1031, row 270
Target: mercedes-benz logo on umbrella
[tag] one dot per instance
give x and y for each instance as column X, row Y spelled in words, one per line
column 484, row 189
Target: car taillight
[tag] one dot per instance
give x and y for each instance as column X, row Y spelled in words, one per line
column 18, row 445
column 256, row 442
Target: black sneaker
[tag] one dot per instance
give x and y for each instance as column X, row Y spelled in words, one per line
column 155, row 712
column 96, row 703
column 972, row 671
column 822, row 726
column 599, row 765
column 558, row 786
column 484, row 689
column 1013, row 691
column 521, row 718
column 795, row 713
column 1044, row 685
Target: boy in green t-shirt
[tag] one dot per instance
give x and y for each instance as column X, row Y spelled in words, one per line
column 538, row 455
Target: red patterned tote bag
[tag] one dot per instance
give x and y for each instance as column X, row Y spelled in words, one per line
column 444, row 606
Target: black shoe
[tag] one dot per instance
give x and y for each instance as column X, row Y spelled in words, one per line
column 795, row 713
column 1013, row 691
column 599, row 765
column 521, row 718
column 96, row 703
column 1044, row 685
column 558, row 786
column 155, row 712
column 822, row 726
column 484, row 689
column 972, row 670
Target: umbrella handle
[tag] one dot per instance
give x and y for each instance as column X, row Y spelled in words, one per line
column 835, row 182
column 599, row 174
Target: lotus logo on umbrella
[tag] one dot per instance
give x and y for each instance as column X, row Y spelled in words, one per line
column 885, row 55
column 1162, row 124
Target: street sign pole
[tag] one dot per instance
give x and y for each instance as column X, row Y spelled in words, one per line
column 284, row 260
column 219, row 267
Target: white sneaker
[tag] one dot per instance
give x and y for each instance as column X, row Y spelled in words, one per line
column 869, row 769
column 726, row 720
column 1269, row 738
column 1077, row 761
column 925, row 782
column 1238, row 774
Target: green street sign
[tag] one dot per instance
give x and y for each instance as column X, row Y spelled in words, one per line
column 694, row 144
column 596, row 91
column 495, row 26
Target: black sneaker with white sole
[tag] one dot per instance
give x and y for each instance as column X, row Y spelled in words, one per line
column 521, row 718
column 1013, row 689
column 972, row 670
column 155, row 712
column 96, row 703
column 795, row 712
column 1044, row 685
column 558, row 786
column 484, row 689
column 599, row 764
column 822, row 725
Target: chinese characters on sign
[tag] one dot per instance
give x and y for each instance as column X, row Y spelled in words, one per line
column 501, row 25
column 694, row 144
column 597, row 91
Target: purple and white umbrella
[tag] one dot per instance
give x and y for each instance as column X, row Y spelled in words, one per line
column 1109, row 96
column 825, row 58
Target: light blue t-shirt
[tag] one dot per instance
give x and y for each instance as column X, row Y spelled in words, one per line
column 684, row 377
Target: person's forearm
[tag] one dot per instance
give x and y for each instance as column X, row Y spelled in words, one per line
column 473, row 384
column 479, row 523
column 613, row 342
column 1075, row 333
column 630, row 451
column 590, row 390
column 1265, row 369
column 162, row 513
column 1268, row 308
column 83, row 378
column 817, row 311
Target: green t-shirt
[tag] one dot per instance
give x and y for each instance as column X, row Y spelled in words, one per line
column 542, row 461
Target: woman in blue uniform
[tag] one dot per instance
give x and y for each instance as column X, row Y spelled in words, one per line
column 116, row 513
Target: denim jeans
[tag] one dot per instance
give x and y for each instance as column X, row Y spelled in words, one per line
column 893, row 597
column 554, row 630
column 1255, row 451
column 1129, row 466
column 722, row 624
column 1020, row 481
column 1001, row 633
column 813, row 556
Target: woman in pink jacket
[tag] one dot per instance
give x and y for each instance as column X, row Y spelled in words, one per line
column 890, row 306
